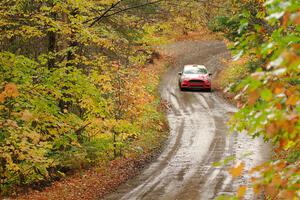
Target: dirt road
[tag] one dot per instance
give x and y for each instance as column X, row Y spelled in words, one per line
column 198, row 138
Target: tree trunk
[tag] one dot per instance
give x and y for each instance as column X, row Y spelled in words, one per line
column 51, row 48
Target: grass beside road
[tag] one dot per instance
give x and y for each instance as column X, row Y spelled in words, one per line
column 230, row 76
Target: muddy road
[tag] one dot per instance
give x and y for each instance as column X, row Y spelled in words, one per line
column 199, row 137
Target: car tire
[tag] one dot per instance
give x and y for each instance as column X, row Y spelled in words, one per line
column 179, row 85
column 181, row 88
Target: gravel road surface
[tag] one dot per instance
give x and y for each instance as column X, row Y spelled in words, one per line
column 198, row 138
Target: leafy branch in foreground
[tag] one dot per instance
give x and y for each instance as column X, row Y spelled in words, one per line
column 268, row 32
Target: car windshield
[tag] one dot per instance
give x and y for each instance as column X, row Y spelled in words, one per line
column 195, row 71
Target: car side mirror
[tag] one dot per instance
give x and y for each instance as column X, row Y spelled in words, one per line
column 210, row 74
column 180, row 73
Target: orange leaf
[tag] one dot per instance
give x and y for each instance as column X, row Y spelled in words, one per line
column 285, row 19
column 296, row 46
column 271, row 129
column 278, row 90
column 292, row 100
column 256, row 189
column 237, row 171
column 11, row 90
column 252, row 98
column 291, row 90
column 241, row 192
column 271, row 191
column 276, row 181
column 283, row 143
column 280, row 165
column 297, row 19
column 278, row 106
column 285, row 194
column 262, row 30
column 277, row 150
column 2, row 97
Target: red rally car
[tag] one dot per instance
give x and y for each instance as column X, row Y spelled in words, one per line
column 194, row 77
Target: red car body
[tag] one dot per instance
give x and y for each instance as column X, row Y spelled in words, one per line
column 194, row 77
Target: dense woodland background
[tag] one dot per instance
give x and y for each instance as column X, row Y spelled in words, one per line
column 75, row 92
column 74, row 87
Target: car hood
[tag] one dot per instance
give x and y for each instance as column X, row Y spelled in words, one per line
column 195, row 76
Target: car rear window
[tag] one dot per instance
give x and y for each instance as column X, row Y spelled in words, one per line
column 195, row 71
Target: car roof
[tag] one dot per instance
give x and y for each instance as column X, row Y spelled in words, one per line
column 194, row 66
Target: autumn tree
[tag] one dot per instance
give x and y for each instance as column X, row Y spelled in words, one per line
column 268, row 33
column 63, row 102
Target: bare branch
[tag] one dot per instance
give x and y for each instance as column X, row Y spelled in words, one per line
column 106, row 13
column 96, row 19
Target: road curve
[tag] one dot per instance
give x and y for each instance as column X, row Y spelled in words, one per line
column 198, row 137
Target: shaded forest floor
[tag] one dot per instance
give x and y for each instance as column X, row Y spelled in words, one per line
column 93, row 183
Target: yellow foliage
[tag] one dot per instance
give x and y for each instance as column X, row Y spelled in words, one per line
column 241, row 192
column 237, row 171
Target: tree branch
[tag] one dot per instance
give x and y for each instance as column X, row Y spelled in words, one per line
column 105, row 14
column 96, row 19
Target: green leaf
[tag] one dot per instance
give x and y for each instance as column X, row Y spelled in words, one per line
column 266, row 94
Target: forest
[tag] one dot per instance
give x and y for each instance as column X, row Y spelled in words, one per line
column 75, row 90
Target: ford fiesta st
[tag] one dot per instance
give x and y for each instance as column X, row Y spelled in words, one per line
column 194, row 77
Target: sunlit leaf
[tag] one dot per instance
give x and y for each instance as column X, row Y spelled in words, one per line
column 241, row 192
column 237, row 171
column 292, row 100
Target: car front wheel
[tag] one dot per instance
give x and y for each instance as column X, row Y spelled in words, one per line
column 179, row 85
